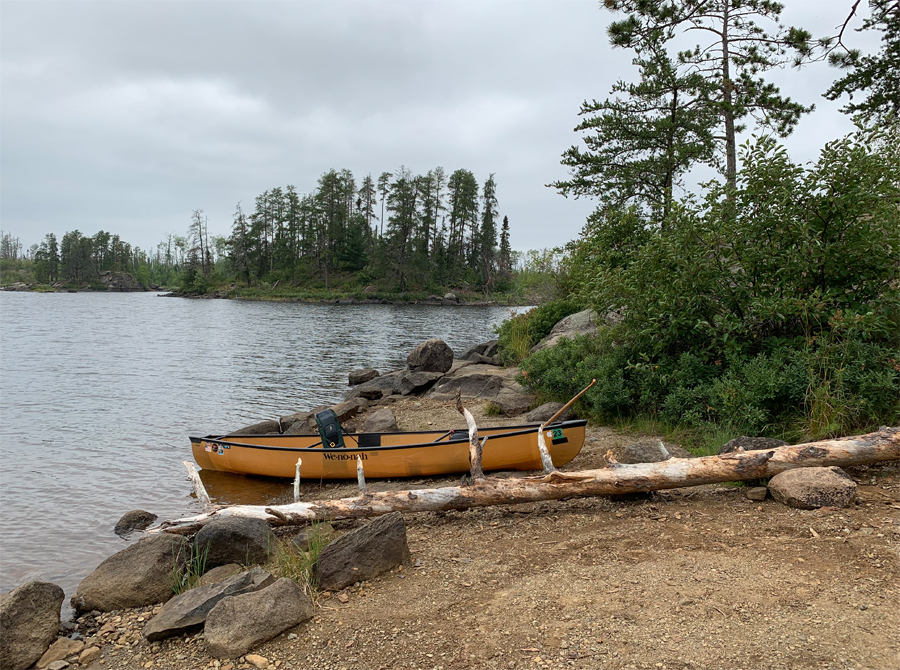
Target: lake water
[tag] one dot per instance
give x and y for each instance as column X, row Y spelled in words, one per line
column 99, row 392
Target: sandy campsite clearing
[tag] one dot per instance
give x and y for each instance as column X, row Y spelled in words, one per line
column 682, row 579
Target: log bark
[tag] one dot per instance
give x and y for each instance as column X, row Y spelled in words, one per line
column 197, row 483
column 616, row 478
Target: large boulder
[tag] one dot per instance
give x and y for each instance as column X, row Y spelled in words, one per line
column 261, row 428
column 585, row 322
column 137, row 576
column 234, row 540
column 362, row 376
column 432, row 355
column 363, row 553
column 29, row 621
column 751, row 444
column 810, row 488
column 473, row 381
column 239, row 623
column 381, row 421
column 187, row 611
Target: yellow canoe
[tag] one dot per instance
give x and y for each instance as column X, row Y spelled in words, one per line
column 387, row 454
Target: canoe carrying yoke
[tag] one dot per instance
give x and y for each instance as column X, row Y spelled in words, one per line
column 329, row 429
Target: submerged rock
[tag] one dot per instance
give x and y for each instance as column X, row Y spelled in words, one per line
column 134, row 520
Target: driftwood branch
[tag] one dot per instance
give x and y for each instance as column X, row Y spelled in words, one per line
column 199, row 489
column 475, row 447
column 546, row 461
column 616, row 478
column 297, row 481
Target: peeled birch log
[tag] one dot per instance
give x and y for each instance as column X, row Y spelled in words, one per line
column 617, row 478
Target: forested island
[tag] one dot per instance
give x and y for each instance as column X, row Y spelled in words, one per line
column 403, row 235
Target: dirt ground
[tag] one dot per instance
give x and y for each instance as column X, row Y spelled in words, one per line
column 682, row 579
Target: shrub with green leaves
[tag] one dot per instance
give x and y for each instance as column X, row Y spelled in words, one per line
column 772, row 307
column 520, row 332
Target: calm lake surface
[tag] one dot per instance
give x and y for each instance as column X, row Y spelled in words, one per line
column 99, row 392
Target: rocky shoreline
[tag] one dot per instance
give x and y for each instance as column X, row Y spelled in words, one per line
column 488, row 587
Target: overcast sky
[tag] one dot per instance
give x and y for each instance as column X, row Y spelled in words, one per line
column 126, row 116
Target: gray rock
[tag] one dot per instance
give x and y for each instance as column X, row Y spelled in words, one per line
column 474, row 381
column 29, row 620
column 134, row 520
column 751, row 444
column 261, row 428
column 59, row 651
column 580, row 323
column 545, row 411
column 137, row 576
column 362, row 376
column 287, row 422
column 757, row 493
column 89, row 655
column 363, row 553
column 58, row 665
column 381, row 421
column 349, row 408
column 512, row 402
column 239, row 623
column 234, row 540
column 374, row 389
column 220, row 574
column 432, row 355
column 649, row 451
column 450, row 296
column 304, row 427
column 810, row 488
column 187, row 611
column 416, row 382
column 486, row 350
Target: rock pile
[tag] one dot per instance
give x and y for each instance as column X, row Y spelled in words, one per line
column 431, row 370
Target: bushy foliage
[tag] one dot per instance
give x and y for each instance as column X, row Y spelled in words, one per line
column 519, row 333
column 770, row 307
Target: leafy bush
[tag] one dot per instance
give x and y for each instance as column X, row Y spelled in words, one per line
column 520, row 332
column 770, row 308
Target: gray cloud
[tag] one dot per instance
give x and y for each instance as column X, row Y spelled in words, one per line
column 125, row 116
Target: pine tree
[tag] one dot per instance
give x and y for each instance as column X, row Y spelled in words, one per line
column 877, row 76
column 738, row 51
column 239, row 244
column 640, row 143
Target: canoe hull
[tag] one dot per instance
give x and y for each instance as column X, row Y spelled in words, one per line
column 385, row 454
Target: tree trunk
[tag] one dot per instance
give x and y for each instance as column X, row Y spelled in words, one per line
column 614, row 479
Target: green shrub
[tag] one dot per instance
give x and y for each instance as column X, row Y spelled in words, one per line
column 771, row 309
column 518, row 334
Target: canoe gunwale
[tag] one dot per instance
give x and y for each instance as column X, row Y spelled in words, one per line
column 514, row 431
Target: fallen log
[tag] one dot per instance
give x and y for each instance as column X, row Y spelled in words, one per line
column 616, row 478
